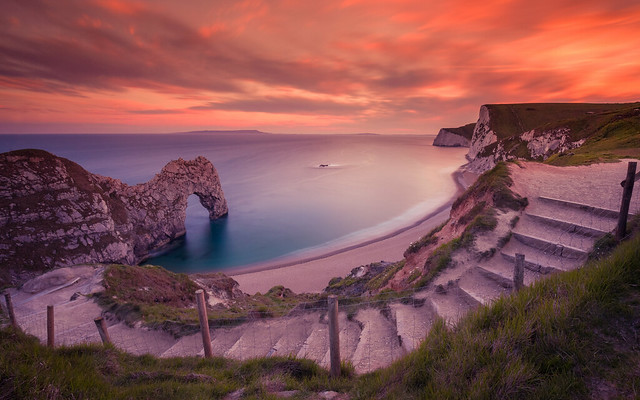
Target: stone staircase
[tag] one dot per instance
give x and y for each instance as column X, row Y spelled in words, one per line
column 557, row 235
column 369, row 339
column 553, row 234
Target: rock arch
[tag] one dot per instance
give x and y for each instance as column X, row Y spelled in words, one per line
column 54, row 213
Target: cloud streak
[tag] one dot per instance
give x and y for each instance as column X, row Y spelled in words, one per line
column 333, row 66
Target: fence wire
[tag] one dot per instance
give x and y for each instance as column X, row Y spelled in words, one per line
column 553, row 233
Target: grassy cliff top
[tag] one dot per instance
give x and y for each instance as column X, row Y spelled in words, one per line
column 610, row 131
column 582, row 118
column 466, row 131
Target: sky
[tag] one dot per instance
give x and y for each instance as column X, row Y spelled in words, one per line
column 304, row 66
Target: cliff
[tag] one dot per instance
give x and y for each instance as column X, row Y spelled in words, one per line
column 455, row 137
column 553, row 133
column 54, row 213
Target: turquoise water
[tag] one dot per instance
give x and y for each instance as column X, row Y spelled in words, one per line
column 281, row 202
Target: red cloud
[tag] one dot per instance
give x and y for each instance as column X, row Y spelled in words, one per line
column 362, row 65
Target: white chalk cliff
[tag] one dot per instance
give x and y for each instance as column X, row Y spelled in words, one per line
column 447, row 138
column 489, row 147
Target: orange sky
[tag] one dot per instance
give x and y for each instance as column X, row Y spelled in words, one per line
column 335, row 66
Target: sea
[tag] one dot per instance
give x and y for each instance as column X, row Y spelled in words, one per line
column 288, row 195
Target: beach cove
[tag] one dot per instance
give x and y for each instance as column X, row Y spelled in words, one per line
column 311, row 272
column 283, row 206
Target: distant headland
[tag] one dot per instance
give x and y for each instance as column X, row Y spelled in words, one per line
column 240, row 131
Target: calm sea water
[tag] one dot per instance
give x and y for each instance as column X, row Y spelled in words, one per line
column 280, row 201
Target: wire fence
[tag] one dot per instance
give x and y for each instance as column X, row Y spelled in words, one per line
column 553, row 233
column 372, row 333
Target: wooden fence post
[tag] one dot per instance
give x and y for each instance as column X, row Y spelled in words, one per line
column 12, row 315
column 50, row 327
column 334, row 336
column 204, row 323
column 101, row 324
column 621, row 230
column 518, row 272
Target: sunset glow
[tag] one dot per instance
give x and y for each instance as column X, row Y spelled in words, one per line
column 334, row 66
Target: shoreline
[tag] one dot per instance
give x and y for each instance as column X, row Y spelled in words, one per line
column 311, row 273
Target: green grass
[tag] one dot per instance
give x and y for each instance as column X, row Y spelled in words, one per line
column 442, row 256
column 614, row 140
column 612, row 131
column 149, row 293
column 566, row 337
column 496, row 181
column 426, row 240
column 29, row 370
column 509, row 120
column 382, row 279
column 377, row 276
column 165, row 300
column 440, row 259
column 474, row 212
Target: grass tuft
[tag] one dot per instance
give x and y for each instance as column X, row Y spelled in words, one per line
column 496, row 181
column 428, row 239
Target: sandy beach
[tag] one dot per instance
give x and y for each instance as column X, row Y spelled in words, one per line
column 311, row 274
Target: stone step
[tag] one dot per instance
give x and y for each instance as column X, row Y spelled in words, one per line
column 481, row 287
column 413, row 321
column 73, row 322
column 185, row 346
column 222, row 339
column 537, row 260
column 379, row 345
column 297, row 330
column 257, row 339
column 568, row 226
column 78, row 334
column 501, row 270
column 317, row 343
column 139, row 341
column 350, row 332
column 596, row 210
column 558, row 211
column 452, row 303
column 549, row 246
column 536, row 228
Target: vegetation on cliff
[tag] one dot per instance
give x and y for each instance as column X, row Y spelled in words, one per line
column 572, row 335
column 29, row 370
column 472, row 214
column 162, row 299
column 609, row 131
column 54, row 213
column 466, row 131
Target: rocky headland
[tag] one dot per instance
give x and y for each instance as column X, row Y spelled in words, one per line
column 553, row 132
column 54, row 213
column 455, row 137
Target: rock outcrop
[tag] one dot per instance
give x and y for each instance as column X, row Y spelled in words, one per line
column 483, row 137
column 455, row 137
column 54, row 213
column 220, row 288
column 538, row 131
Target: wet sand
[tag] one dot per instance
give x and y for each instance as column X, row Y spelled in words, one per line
column 312, row 273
